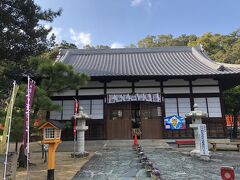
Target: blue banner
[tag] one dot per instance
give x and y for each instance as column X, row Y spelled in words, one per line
column 174, row 122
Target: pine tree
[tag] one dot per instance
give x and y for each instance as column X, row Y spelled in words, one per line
column 21, row 35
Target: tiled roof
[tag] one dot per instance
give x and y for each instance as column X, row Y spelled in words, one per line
column 57, row 123
column 165, row 61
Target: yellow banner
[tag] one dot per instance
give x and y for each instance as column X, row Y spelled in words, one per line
column 8, row 119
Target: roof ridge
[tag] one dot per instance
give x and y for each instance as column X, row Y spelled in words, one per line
column 129, row 50
column 203, row 58
column 229, row 65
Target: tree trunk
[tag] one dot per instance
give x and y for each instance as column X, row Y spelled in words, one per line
column 42, row 151
column 235, row 125
column 16, row 146
column 22, row 158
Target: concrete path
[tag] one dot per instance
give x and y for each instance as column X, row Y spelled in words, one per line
column 112, row 164
column 96, row 145
column 116, row 160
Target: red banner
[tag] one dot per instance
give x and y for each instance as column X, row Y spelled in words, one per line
column 230, row 120
column 75, row 119
column 28, row 104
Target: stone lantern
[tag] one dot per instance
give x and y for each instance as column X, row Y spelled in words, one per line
column 199, row 132
column 81, row 128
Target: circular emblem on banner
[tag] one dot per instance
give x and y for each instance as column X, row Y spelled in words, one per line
column 174, row 121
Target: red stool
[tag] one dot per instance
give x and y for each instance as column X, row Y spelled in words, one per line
column 227, row 173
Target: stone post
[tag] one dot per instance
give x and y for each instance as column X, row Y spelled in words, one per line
column 196, row 116
column 81, row 128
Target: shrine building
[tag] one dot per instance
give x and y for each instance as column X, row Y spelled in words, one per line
column 136, row 88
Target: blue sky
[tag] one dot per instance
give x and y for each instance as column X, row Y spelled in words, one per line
column 118, row 23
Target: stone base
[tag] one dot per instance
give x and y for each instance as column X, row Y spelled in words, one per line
column 80, row 155
column 205, row 158
column 196, row 153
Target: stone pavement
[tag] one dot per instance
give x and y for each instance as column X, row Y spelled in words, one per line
column 178, row 165
column 96, row 145
column 118, row 161
column 112, row 163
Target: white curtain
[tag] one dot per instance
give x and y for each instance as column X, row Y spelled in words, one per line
column 184, row 106
column 214, row 107
column 97, row 109
column 171, row 106
column 68, row 109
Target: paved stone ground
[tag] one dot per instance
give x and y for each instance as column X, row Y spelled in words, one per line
column 176, row 165
column 121, row 163
column 114, row 163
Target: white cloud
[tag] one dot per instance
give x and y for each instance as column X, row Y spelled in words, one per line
column 149, row 3
column 80, row 38
column 116, row 45
column 57, row 31
column 138, row 2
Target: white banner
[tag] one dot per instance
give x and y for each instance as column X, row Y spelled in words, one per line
column 134, row 97
column 202, row 135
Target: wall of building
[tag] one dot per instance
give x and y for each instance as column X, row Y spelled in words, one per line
column 179, row 96
column 177, row 92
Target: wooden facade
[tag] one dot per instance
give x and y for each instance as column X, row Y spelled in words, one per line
column 120, row 127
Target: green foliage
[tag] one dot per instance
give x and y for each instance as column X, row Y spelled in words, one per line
column 88, row 47
column 21, row 31
column 66, row 45
column 232, row 100
column 52, row 77
column 221, row 48
column 102, row 47
column 232, row 105
column 132, row 46
column 56, row 76
column 166, row 40
column 96, row 47
column 22, row 34
column 69, row 125
column 53, row 53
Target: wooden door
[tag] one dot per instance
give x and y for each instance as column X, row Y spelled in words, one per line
column 151, row 121
column 151, row 129
column 118, row 121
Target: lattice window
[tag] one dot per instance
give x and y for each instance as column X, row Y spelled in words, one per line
column 93, row 107
column 97, row 109
column 211, row 105
column 68, row 109
column 171, row 106
column 49, row 133
column 177, row 106
column 214, row 107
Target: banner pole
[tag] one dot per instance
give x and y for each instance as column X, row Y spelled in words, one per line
column 9, row 131
column 74, row 147
column 28, row 109
column 74, row 127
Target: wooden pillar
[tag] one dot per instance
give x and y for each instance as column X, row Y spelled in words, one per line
column 191, row 95
column 222, row 108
